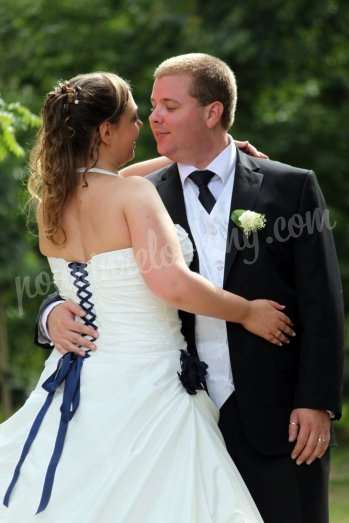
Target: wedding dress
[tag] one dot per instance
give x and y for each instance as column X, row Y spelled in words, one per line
column 138, row 448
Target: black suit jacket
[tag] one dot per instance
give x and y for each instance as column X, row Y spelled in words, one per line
column 293, row 261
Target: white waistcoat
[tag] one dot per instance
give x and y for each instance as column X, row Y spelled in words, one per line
column 210, row 236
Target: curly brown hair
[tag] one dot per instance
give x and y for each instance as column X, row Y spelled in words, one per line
column 69, row 138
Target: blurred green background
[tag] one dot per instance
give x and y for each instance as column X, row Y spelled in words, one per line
column 291, row 59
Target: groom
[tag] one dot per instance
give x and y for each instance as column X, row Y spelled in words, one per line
column 275, row 403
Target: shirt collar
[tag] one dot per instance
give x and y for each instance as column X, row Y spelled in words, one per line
column 222, row 165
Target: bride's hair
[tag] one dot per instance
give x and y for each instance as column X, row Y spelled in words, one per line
column 68, row 138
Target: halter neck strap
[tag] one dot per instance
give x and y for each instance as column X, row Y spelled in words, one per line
column 97, row 170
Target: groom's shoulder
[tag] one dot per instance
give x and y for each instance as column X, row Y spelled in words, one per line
column 280, row 169
column 157, row 176
column 273, row 167
column 287, row 179
column 283, row 175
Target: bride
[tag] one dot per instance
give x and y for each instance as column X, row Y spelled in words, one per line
column 127, row 433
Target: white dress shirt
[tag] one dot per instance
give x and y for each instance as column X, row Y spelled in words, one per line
column 210, row 235
column 43, row 336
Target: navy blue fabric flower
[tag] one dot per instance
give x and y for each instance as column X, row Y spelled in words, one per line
column 193, row 372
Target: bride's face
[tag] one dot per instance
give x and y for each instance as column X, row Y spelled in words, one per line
column 125, row 134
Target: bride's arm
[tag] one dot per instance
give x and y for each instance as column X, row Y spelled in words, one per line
column 146, row 167
column 160, row 260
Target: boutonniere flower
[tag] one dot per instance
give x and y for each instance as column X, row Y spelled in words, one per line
column 248, row 221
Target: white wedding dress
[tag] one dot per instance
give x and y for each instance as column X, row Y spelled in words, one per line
column 139, row 448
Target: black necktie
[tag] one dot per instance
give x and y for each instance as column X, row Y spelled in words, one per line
column 202, row 179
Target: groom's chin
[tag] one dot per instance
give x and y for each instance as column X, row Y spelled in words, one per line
column 166, row 151
column 161, row 149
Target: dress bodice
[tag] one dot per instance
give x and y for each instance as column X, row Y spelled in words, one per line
column 126, row 310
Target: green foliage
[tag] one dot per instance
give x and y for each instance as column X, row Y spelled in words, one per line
column 14, row 118
column 16, row 247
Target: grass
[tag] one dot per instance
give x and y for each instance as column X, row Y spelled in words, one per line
column 339, row 501
column 339, row 485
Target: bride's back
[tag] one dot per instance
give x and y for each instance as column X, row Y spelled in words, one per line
column 93, row 220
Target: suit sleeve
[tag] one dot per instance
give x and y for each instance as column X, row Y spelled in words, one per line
column 320, row 305
column 40, row 337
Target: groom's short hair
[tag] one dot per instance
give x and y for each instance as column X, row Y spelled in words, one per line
column 213, row 80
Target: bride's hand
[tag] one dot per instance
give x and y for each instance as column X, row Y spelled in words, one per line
column 266, row 319
column 250, row 149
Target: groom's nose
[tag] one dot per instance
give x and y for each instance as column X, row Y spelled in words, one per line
column 156, row 115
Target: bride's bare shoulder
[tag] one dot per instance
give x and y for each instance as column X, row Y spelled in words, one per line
column 140, row 193
column 138, row 186
column 136, row 182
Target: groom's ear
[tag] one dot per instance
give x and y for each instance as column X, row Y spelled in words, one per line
column 213, row 114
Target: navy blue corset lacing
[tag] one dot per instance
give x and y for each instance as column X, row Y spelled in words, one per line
column 68, row 371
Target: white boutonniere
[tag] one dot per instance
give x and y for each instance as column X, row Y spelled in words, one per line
column 248, row 221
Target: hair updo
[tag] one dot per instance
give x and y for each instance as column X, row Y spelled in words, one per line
column 68, row 138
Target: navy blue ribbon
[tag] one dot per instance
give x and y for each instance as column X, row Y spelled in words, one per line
column 68, row 371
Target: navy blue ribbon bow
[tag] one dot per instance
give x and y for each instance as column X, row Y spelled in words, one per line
column 68, row 371
column 193, row 372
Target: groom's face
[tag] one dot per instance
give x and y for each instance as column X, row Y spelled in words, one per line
column 177, row 119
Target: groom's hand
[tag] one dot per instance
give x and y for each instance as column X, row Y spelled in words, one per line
column 66, row 332
column 310, row 429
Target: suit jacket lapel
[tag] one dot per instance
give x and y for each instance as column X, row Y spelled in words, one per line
column 171, row 192
column 247, row 183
